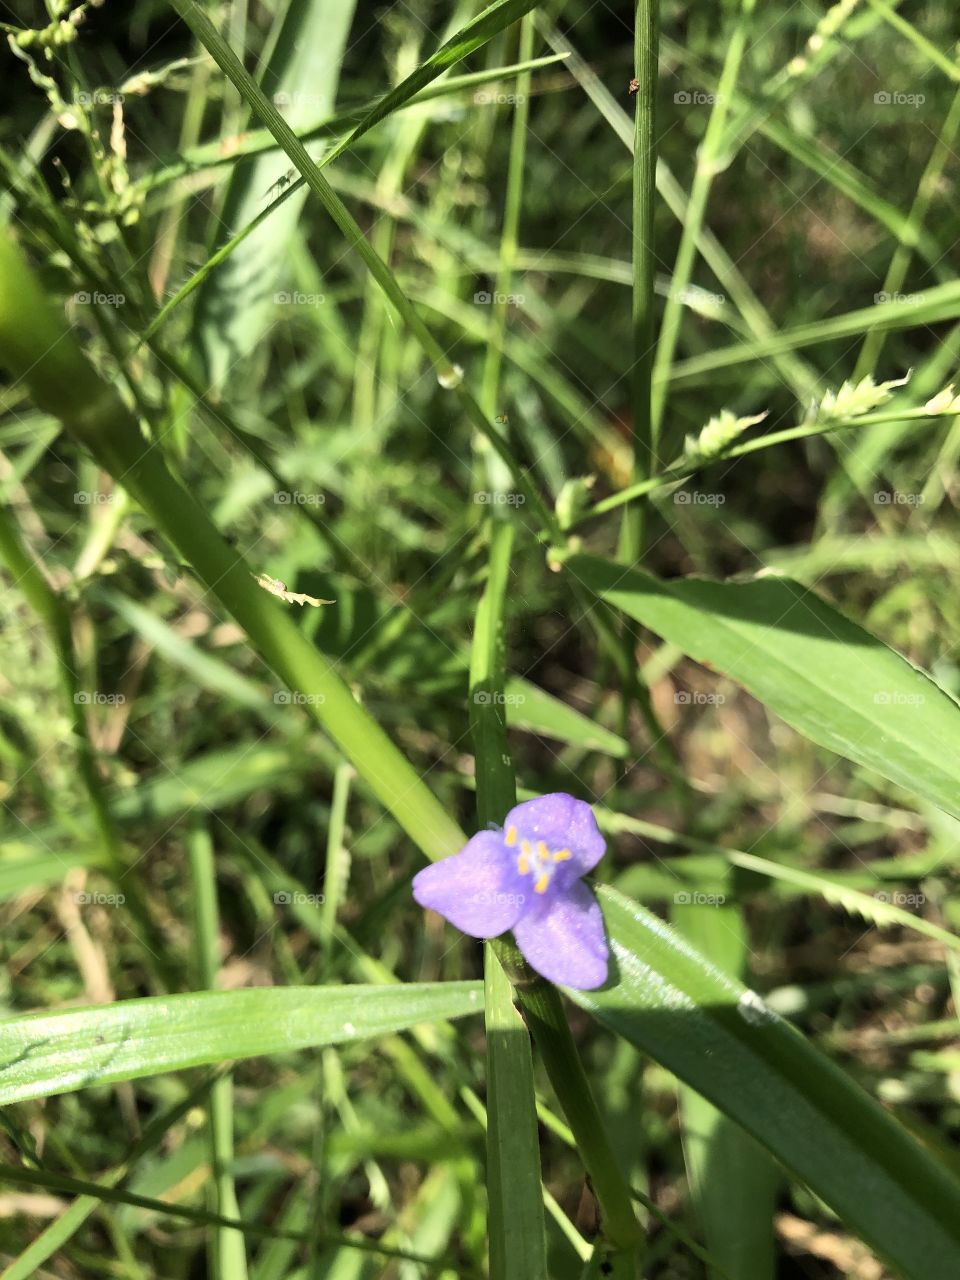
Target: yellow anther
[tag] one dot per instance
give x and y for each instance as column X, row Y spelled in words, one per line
column 523, row 862
column 511, row 837
column 562, row 855
column 541, row 885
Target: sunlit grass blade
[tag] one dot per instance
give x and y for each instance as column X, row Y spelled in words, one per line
column 722, row 1040
column 733, row 1181
column 47, row 1053
column 822, row 673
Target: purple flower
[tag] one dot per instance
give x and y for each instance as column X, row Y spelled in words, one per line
column 527, row 878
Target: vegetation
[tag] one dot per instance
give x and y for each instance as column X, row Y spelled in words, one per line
column 411, row 412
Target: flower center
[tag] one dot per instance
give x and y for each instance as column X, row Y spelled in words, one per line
column 535, row 858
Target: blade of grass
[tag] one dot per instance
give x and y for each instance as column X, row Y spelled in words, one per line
column 448, row 375
column 228, row 1256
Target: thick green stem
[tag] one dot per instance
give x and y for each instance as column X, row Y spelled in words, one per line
column 544, row 1013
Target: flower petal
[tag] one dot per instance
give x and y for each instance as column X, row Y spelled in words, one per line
column 561, row 822
column 479, row 889
column 564, row 939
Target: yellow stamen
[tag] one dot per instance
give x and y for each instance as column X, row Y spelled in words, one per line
column 562, row 855
column 541, row 885
column 523, row 862
column 511, row 838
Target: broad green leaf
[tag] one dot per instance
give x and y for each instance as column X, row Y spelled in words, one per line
column 733, row 1181
column 235, row 304
column 828, row 677
column 517, row 1246
column 532, row 708
column 48, row 1053
column 722, row 1040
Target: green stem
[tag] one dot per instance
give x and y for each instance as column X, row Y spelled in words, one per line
column 684, row 470
column 448, row 375
column 37, row 347
column 708, row 157
column 646, row 65
column 544, row 1013
column 227, row 1248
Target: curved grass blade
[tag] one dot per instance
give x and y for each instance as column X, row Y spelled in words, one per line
column 49, row 1053
column 235, row 305
column 483, row 28
column 721, row 1039
column 825, row 675
column 733, row 1182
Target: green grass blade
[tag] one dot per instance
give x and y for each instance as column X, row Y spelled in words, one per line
column 825, row 675
column 48, row 1053
column 723, row 1041
column 235, row 304
column 733, row 1181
